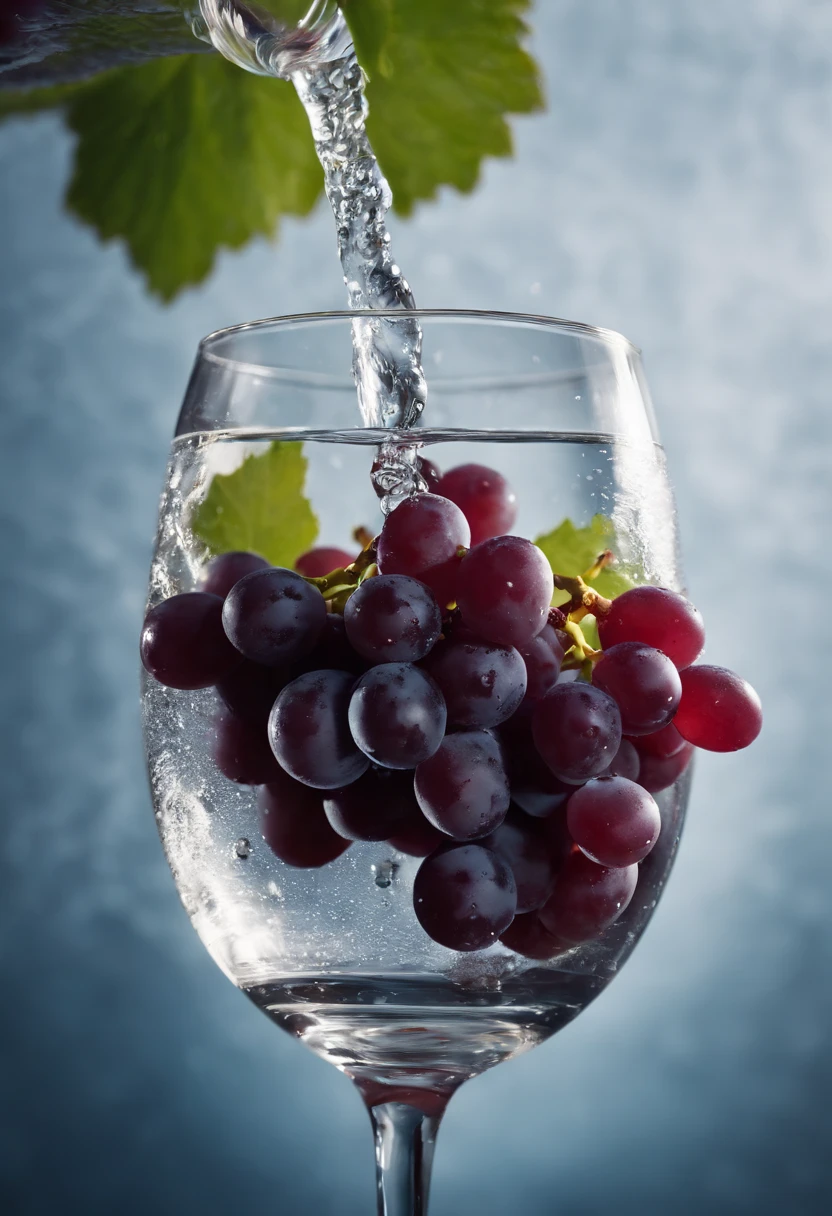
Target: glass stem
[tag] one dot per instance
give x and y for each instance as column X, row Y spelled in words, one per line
column 405, row 1139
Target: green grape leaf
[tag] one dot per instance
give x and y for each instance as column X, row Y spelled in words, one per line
column 370, row 24
column 443, row 77
column 572, row 550
column 261, row 506
column 184, row 156
column 30, row 101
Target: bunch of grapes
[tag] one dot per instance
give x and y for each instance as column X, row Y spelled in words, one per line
column 426, row 694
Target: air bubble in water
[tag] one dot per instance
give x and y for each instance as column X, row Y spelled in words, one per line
column 384, row 873
column 243, row 848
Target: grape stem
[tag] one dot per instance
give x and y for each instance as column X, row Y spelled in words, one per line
column 337, row 586
column 584, row 600
column 580, row 649
column 363, row 537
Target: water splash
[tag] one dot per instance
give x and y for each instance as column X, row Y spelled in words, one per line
column 319, row 58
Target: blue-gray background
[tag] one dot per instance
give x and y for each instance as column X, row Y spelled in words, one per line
column 679, row 188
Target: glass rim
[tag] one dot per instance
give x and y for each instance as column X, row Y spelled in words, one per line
column 610, row 338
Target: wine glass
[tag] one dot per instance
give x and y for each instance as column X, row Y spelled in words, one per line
column 271, row 456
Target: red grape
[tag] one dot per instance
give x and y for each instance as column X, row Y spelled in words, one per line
column 661, row 743
column 485, row 498
column 224, row 571
column 374, row 807
column 316, row 563
column 397, row 715
column 625, row 762
column 464, row 896
column 644, row 684
column 504, row 589
column 527, row 936
column 543, row 656
column 719, row 710
column 657, row 773
column 242, row 752
column 294, row 825
column 430, row 473
column 422, row 538
column 392, row 618
column 274, row 616
column 587, row 899
column 482, row 684
column 463, row 788
column 577, row 730
column 183, row 643
column 309, row 731
column 613, row 820
column 521, row 841
column 657, row 617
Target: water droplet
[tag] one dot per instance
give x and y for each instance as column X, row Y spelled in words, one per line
column 384, row 872
column 243, row 848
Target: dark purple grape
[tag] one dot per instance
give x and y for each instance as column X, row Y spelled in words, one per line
column 527, row 936
column 274, row 616
column 392, row 619
column 719, row 710
column 543, row 656
column 374, row 807
column 577, row 730
column 644, row 684
column 504, row 589
column 242, row 752
column 534, row 787
column 417, row 836
column 224, row 571
column 309, row 731
column 294, row 825
column 587, row 899
column 521, row 842
column 397, row 715
column 482, row 684
column 316, row 563
column 332, row 651
column 422, row 538
column 625, row 762
column 464, row 896
column 485, row 498
column 661, row 743
column 250, row 690
column 558, row 841
column 183, row 643
column 463, row 788
column 614, row 821
column 657, row 617
column 659, row 773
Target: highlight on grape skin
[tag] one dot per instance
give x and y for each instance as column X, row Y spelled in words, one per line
column 424, row 694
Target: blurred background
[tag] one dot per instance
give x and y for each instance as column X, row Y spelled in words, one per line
column 675, row 184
